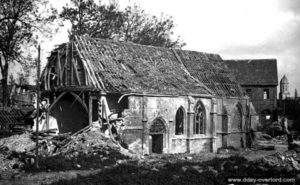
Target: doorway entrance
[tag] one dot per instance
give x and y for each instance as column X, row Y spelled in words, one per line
column 157, row 132
column 70, row 114
column 157, row 143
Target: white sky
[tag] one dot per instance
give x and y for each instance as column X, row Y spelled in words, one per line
column 235, row 29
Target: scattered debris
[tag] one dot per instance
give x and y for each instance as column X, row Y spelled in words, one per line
column 280, row 140
column 86, row 149
column 290, row 161
column 90, row 149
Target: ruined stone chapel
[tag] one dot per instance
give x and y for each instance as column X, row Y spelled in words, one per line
column 171, row 100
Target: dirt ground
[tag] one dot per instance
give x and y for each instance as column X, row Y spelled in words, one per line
column 203, row 168
column 92, row 158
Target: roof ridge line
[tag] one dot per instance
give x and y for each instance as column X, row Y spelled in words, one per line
column 132, row 43
column 250, row 59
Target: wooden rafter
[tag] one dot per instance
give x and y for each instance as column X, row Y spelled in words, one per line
column 89, row 68
column 76, row 72
column 48, row 76
column 90, row 109
column 74, row 95
column 85, row 61
column 79, row 100
column 71, row 66
column 100, row 67
column 86, row 69
column 59, row 69
column 56, row 100
column 66, row 65
column 45, row 80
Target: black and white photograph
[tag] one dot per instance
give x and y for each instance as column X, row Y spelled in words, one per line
column 149, row 92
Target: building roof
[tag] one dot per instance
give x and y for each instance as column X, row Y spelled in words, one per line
column 127, row 67
column 284, row 80
column 124, row 67
column 254, row 71
column 210, row 70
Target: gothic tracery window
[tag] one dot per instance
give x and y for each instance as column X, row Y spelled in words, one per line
column 179, row 122
column 199, row 123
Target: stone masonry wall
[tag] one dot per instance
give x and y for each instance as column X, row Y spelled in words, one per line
column 139, row 117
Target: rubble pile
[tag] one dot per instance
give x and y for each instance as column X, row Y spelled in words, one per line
column 288, row 161
column 90, row 149
column 187, row 170
column 88, row 140
column 17, row 143
column 9, row 146
column 263, row 141
column 8, row 165
column 280, row 140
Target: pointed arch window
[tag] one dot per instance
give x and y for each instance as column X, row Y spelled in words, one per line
column 179, row 121
column 199, row 123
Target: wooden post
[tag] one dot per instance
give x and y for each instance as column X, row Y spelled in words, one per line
column 83, row 97
column 100, row 111
column 48, row 77
column 71, row 66
column 66, row 65
column 47, row 114
column 45, row 80
column 74, row 64
column 90, row 109
column 37, row 108
column 59, row 72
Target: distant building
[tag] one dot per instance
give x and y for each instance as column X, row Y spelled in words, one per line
column 289, row 106
column 259, row 81
column 284, row 88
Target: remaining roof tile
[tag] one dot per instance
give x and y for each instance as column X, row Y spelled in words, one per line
column 128, row 67
column 254, row 71
column 210, row 70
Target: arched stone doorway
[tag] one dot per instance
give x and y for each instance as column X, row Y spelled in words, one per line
column 157, row 134
column 70, row 112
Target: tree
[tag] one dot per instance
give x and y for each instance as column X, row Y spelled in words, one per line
column 145, row 29
column 19, row 21
column 109, row 22
column 95, row 20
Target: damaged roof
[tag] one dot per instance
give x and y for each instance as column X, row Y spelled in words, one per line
column 254, row 71
column 128, row 67
column 125, row 67
column 210, row 70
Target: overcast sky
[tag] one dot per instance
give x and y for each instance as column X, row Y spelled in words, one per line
column 235, row 29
